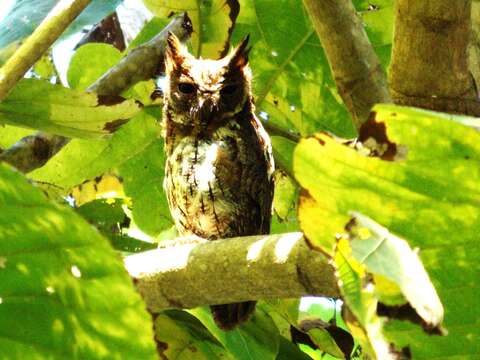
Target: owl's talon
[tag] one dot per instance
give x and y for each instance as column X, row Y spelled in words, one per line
column 190, row 239
column 183, row 240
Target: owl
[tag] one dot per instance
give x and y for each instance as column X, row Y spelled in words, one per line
column 219, row 165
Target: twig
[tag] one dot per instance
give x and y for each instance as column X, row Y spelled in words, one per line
column 33, row 151
column 231, row 270
column 273, row 129
column 36, row 44
column 360, row 78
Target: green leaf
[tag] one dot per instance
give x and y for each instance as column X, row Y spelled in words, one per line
column 143, row 181
column 108, row 217
column 325, row 342
column 212, row 22
column 81, row 160
column 378, row 20
column 285, row 196
column 283, row 153
column 39, row 105
column 44, row 68
column 103, row 213
column 182, row 336
column 63, row 291
column 362, row 318
column 89, row 63
column 292, row 80
column 256, row 339
column 93, row 60
column 284, row 218
column 289, row 351
column 429, row 197
column 9, row 135
column 284, row 312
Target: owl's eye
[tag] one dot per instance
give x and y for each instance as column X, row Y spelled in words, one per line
column 186, row 88
column 229, row 89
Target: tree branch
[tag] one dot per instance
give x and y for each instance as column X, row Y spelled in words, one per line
column 231, row 270
column 36, row 44
column 273, row 130
column 429, row 66
column 360, row 78
column 142, row 63
column 33, row 151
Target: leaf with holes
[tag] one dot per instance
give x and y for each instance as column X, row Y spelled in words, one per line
column 421, row 185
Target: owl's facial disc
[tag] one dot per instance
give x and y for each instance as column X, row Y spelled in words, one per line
column 206, row 91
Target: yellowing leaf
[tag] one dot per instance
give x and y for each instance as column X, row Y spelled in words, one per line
column 39, row 105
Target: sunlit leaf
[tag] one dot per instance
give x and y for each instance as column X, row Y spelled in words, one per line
column 39, row 105
column 429, row 197
column 82, row 160
column 44, row 68
column 63, row 291
column 90, row 62
column 9, row 135
column 385, row 254
column 143, row 181
column 366, row 326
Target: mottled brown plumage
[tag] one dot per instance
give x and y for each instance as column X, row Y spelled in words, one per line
column 218, row 174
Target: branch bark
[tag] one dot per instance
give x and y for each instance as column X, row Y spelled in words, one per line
column 141, row 63
column 36, row 44
column 231, row 270
column 429, row 67
column 358, row 73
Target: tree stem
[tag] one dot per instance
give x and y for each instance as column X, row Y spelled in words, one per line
column 429, row 66
column 359, row 76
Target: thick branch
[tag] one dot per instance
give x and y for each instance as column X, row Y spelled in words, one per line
column 232, row 270
column 360, row 78
column 36, row 44
column 429, row 59
column 474, row 45
column 141, row 63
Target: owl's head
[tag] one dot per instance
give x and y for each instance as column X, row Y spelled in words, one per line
column 201, row 91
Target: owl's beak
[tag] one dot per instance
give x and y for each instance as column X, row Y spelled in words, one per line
column 207, row 111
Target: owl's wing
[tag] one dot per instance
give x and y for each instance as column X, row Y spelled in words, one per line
column 262, row 187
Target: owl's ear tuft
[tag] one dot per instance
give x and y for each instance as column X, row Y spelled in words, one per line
column 239, row 57
column 174, row 54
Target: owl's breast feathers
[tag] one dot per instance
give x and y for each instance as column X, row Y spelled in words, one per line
column 219, row 182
